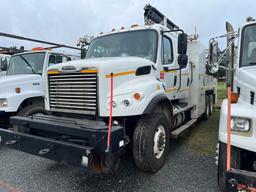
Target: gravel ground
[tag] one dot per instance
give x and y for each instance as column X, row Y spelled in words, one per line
column 184, row 171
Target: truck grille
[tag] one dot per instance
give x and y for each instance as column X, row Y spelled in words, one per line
column 73, row 93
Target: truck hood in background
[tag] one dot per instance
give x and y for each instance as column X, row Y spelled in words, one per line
column 8, row 80
column 107, row 65
column 245, row 78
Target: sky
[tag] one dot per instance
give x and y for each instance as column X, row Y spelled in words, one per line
column 64, row 21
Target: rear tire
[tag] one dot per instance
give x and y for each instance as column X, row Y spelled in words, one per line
column 222, row 159
column 27, row 111
column 151, row 142
column 206, row 114
column 211, row 104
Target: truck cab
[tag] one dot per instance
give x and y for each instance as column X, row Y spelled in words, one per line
column 137, row 87
column 22, row 89
column 243, row 119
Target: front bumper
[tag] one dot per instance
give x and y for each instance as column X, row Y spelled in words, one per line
column 240, row 180
column 62, row 139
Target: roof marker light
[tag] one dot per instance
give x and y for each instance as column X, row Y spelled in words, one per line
column 38, row 49
column 134, row 25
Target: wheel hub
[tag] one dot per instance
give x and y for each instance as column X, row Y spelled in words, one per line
column 159, row 141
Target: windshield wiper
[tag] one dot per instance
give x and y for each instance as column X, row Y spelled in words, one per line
column 28, row 64
column 252, row 63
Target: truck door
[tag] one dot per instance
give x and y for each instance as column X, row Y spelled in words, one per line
column 185, row 76
column 169, row 74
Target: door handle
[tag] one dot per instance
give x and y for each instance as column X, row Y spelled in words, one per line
column 175, row 81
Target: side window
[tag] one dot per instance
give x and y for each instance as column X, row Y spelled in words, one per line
column 58, row 59
column 52, row 60
column 167, row 51
column 55, row 59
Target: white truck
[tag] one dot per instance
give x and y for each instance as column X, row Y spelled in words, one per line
column 22, row 89
column 4, row 62
column 137, row 87
column 242, row 176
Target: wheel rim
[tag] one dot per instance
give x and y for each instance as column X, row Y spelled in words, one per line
column 159, row 141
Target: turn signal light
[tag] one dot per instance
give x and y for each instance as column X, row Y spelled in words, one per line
column 38, row 49
column 17, row 89
column 53, row 71
column 137, row 96
column 234, row 97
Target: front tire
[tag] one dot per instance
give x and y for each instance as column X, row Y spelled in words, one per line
column 27, row 111
column 151, row 142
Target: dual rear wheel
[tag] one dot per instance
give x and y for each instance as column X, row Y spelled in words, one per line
column 209, row 104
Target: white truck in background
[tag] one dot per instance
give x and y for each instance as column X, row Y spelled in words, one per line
column 241, row 78
column 23, row 88
column 4, row 62
column 137, row 87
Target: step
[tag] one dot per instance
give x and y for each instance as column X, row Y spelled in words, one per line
column 177, row 111
column 179, row 131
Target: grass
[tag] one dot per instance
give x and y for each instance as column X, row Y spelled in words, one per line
column 204, row 137
column 221, row 90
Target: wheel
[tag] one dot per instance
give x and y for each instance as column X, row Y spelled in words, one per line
column 151, row 142
column 28, row 111
column 211, row 104
column 235, row 163
column 31, row 110
column 207, row 108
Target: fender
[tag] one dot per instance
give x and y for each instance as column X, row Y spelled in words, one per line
column 152, row 104
column 15, row 101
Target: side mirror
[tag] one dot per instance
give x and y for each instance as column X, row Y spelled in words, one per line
column 213, row 52
column 83, row 53
column 4, row 65
column 182, row 60
column 213, row 65
column 182, row 43
column 52, row 59
column 86, row 40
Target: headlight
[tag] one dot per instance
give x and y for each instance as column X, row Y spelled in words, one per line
column 240, row 124
column 3, row 103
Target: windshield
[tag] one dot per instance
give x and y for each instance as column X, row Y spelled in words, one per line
column 248, row 46
column 30, row 63
column 141, row 43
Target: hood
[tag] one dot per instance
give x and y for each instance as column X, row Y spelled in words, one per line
column 106, row 65
column 246, row 75
column 18, row 79
column 245, row 79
